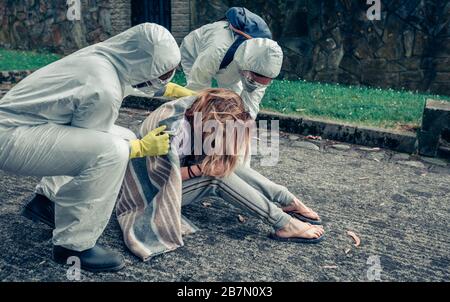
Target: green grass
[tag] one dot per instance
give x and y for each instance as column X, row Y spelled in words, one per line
column 179, row 78
column 357, row 105
column 25, row 60
column 385, row 108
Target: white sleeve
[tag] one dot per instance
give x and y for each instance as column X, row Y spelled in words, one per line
column 97, row 110
column 204, row 69
column 252, row 100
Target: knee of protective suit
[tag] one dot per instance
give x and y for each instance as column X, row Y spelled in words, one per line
column 122, row 132
column 122, row 150
column 114, row 149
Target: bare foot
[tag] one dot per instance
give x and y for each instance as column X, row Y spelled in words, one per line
column 298, row 229
column 299, row 207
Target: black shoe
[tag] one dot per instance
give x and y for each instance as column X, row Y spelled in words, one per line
column 96, row 259
column 40, row 209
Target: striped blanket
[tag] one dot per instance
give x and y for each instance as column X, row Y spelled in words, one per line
column 149, row 204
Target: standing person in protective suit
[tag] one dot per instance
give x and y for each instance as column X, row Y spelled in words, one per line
column 58, row 123
column 238, row 52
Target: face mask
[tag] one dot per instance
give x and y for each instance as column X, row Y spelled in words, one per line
column 162, row 83
column 148, row 89
column 250, row 84
column 155, row 85
column 158, row 83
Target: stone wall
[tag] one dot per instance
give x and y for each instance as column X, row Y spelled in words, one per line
column 181, row 18
column 39, row 24
column 333, row 41
column 11, row 77
column 120, row 16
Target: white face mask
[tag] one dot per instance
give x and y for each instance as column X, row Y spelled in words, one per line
column 149, row 89
column 158, row 83
column 155, row 85
column 250, row 84
column 162, row 83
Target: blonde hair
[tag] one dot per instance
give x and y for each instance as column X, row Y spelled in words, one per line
column 221, row 105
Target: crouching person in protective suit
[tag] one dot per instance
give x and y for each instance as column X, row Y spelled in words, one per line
column 58, row 123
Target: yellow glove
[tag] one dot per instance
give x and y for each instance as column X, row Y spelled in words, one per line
column 177, row 91
column 150, row 145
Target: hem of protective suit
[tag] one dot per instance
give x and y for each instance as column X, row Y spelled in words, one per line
column 75, row 248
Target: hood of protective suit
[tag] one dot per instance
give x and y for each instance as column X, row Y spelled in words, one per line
column 260, row 55
column 142, row 53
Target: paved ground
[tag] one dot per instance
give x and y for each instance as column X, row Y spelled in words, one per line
column 397, row 204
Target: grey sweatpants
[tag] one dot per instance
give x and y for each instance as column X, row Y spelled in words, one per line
column 245, row 188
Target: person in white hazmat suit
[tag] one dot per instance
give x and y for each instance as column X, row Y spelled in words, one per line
column 58, row 123
column 234, row 57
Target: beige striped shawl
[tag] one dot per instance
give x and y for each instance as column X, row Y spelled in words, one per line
column 149, row 205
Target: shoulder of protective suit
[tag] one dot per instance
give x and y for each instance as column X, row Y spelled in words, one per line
column 99, row 78
column 104, row 94
column 215, row 41
column 222, row 35
column 92, row 66
column 215, row 34
column 260, row 55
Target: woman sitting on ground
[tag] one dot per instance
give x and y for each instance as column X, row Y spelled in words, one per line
column 154, row 189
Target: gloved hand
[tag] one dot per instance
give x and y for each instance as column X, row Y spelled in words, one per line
column 150, row 145
column 177, row 91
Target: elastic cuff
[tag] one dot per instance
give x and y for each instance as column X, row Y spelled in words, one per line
column 282, row 222
column 161, row 92
column 68, row 243
column 135, row 149
column 168, row 90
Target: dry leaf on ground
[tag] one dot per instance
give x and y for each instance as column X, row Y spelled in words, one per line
column 354, row 237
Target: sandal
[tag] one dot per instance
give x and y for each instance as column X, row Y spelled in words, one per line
column 304, row 218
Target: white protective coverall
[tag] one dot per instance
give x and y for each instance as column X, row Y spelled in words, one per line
column 58, row 123
column 203, row 50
